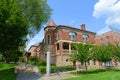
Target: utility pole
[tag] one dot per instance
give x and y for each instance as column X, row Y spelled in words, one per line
column 48, row 69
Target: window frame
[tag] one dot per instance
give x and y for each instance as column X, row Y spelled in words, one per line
column 85, row 37
column 72, row 35
column 48, row 38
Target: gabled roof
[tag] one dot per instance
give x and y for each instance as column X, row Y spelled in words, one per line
column 107, row 29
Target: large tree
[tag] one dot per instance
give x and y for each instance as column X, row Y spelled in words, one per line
column 36, row 12
column 82, row 54
column 19, row 18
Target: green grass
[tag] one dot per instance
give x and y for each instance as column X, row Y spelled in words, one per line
column 7, row 71
column 98, row 75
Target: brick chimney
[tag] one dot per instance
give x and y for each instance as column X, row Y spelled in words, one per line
column 83, row 27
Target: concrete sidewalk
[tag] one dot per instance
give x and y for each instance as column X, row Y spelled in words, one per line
column 38, row 76
column 28, row 76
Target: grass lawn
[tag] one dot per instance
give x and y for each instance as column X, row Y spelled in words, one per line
column 7, row 71
column 98, row 75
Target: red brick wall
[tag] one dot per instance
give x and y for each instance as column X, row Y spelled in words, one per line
column 79, row 38
column 91, row 38
column 111, row 39
column 51, row 33
column 65, row 36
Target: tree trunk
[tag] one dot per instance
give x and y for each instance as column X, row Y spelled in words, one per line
column 6, row 57
column 100, row 64
column 85, row 66
column 6, row 60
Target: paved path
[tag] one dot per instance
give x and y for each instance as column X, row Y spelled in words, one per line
column 38, row 76
column 28, row 76
column 34, row 75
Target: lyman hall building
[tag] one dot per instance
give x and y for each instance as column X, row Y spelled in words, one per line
column 59, row 40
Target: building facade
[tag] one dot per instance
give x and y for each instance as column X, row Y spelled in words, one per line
column 59, row 40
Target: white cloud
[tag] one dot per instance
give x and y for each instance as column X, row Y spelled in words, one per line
column 110, row 9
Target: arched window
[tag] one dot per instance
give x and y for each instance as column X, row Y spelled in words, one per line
column 72, row 35
column 85, row 37
column 48, row 39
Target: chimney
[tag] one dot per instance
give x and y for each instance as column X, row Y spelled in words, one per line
column 83, row 27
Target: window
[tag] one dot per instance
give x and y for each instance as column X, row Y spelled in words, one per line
column 66, row 46
column 72, row 35
column 85, row 37
column 66, row 60
column 48, row 39
column 101, row 39
column 56, row 35
column 107, row 37
column 57, row 46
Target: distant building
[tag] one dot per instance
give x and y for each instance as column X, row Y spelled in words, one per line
column 107, row 35
column 34, row 50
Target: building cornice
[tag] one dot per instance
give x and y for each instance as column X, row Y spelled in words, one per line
column 63, row 27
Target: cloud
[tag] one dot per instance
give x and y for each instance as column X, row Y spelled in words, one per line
column 110, row 9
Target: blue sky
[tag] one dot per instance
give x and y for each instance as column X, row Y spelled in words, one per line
column 95, row 14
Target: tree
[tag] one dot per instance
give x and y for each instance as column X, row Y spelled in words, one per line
column 117, row 51
column 36, row 12
column 18, row 18
column 103, row 53
column 83, row 53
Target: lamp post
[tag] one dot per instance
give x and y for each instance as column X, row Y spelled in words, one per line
column 48, row 64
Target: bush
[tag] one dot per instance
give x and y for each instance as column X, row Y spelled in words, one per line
column 21, row 59
column 42, row 69
column 41, row 63
column 55, row 69
column 33, row 60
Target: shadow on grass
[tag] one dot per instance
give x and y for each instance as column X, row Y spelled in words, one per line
column 97, row 71
column 7, row 74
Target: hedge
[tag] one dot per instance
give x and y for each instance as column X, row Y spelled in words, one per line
column 56, row 69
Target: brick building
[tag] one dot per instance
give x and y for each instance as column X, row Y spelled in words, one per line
column 59, row 40
column 34, row 49
column 108, row 35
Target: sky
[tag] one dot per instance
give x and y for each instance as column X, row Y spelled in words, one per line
column 95, row 14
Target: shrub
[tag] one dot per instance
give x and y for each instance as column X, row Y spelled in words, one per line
column 41, row 63
column 33, row 60
column 42, row 69
column 21, row 59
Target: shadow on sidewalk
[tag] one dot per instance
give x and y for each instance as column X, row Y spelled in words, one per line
column 29, row 76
